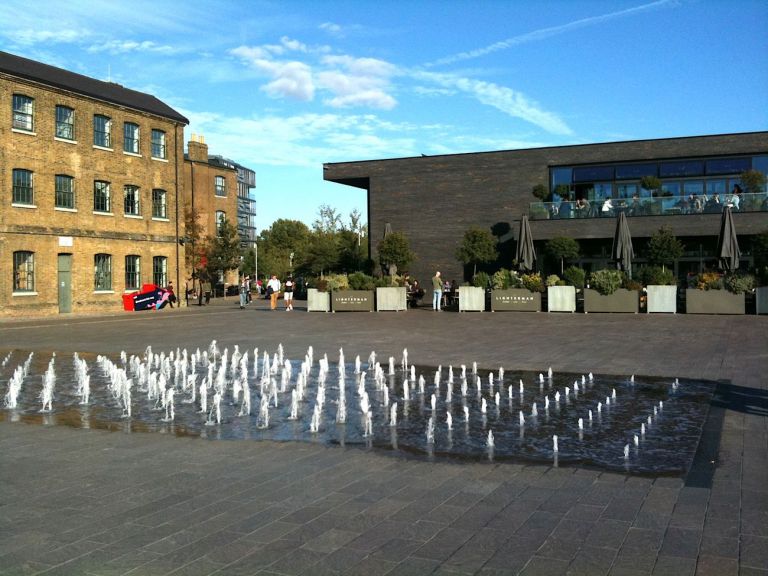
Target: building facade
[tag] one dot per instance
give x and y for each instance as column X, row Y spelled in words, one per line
column 91, row 188
column 246, row 204
column 433, row 200
column 210, row 192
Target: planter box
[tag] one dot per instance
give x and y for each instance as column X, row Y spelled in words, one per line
column 661, row 298
column 318, row 301
column 352, row 300
column 622, row 300
column 471, row 299
column 561, row 299
column 391, row 298
column 713, row 302
column 761, row 300
column 516, row 299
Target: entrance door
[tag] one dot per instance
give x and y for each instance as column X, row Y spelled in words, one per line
column 65, row 283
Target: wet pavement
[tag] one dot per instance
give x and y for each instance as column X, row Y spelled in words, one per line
column 92, row 502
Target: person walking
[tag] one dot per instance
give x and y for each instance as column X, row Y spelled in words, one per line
column 171, row 294
column 288, row 294
column 245, row 286
column 273, row 289
column 437, row 291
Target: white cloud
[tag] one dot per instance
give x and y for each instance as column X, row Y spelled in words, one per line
column 362, row 82
column 125, row 46
column 331, row 28
column 29, row 37
column 292, row 79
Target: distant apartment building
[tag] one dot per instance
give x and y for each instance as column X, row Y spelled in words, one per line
column 246, row 204
column 91, row 190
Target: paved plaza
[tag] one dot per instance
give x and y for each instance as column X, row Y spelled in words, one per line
column 97, row 503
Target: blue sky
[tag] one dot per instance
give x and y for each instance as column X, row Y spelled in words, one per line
column 282, row 87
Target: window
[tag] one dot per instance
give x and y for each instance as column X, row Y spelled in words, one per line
column 131, row 137
column 158, row 144
column 221, row 186
column 23, row 192
column 23, row 271
column 132, row 272
column 728, row 165
column 160, row 270
column 131, row 199
column 65, row 191
column 159, row 208
column 593, row 173
column 102, row 272
column 635, row 171
column 23, row 112
column 221, row 217
column 102, row 131
column 101, row 197
column 682, row 168
column 65, row 123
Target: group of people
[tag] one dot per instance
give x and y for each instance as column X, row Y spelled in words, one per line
column 275, row 287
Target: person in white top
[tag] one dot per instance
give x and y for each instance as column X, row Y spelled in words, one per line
column 608, row 207
column 288, row 294
column 273, row 288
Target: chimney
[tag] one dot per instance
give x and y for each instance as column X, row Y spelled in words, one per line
column 198, row 149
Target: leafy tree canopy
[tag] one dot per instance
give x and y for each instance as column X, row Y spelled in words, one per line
column 477, row 246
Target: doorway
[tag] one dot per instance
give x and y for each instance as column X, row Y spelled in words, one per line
column 65, row 283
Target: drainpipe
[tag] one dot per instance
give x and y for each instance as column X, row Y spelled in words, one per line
column 176, row 161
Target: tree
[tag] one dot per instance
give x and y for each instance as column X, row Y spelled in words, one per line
column 540, row 192
column 753, row 181
column 322, row 253
column 276, row 244
column 562, row 248
column 193, row 241
column 664, row 248
column 328, row 220
column 394, row 250
column 223, row 251
column 477, row 246
column 651, row 183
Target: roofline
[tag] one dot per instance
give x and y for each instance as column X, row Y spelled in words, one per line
column 549, row 147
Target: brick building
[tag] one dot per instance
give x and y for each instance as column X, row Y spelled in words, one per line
column 433, row 200
column 91, row 183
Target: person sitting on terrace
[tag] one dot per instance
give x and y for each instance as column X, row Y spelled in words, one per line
column 582, row 207
column 607, row 208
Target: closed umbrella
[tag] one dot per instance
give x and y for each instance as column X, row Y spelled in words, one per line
column 525, row 253
column 728, row 252
column 622, row 251
column 387, row 229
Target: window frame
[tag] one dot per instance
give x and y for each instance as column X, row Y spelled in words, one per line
column 220, row 186
column 160, row 271
column 134, row 208
column 23, row 110
column 64, row 125
column 159, row 203
column 102, row 131
column 102, row 272
column 64, row 192
column 28, row 266
column 131, row 138
column 159, row 149
column 132, row 272
column 105, row 188
column 23, row 188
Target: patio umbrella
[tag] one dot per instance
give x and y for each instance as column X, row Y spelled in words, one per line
column 387, row 229
column 622, row 251
column 525, row 253
column 728, row 252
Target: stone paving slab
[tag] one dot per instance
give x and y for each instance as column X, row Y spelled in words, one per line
column 91, row 502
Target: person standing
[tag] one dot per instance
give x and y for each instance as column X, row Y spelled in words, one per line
column 437, row 291
column 171, row 294
column 273, row 289
column 288, row 294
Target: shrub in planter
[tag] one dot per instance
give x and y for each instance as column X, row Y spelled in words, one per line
column 360, row 281
column 606, row 281
column 533, row 282
column 739, row 282
column 336, row 282
column 500, row 279
column 656, row 276
column 554, row 280
column 481, row 280
column 706, row 281
column 575, row 276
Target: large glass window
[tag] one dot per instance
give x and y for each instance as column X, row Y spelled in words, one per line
column 131, row 137
column 592, row 173
column 158, row 144
column 23, row 271
column 23, row 112
column 635, row 171
column 561, row 176
column 65, row 122
column 23, row 193
column 132, row 272
column 626, row 190
column 680, row 169
column 102, row 272
column 160, row 270
column 102, row 131
column 221, row 186
column 159, row 208
column 728, row 165
column 131, row 200
column 716, row 187
column 65, row 191
column 101, row 197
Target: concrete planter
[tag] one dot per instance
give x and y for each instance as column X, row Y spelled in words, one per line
column 352, row 301
column 761, row 300
column 515, row 299
column 561, row 299
column 627, row 301
column 318, row 301
column 661, row 298
column 391, row 298
column 713, row 302
column 471, row 299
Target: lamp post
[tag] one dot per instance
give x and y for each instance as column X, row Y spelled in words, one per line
column 291, row 262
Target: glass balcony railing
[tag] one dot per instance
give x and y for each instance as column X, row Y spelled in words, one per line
column 658, row 206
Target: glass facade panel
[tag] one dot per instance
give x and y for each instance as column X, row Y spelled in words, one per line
column 561, row 176
column 593, row 173
column 626, row 190
column 636, row 171
column 683, row 168
column 728, row 165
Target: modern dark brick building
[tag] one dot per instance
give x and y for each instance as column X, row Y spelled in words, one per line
column 435, row 199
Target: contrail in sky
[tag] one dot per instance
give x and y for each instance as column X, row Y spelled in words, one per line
column 547, row 32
